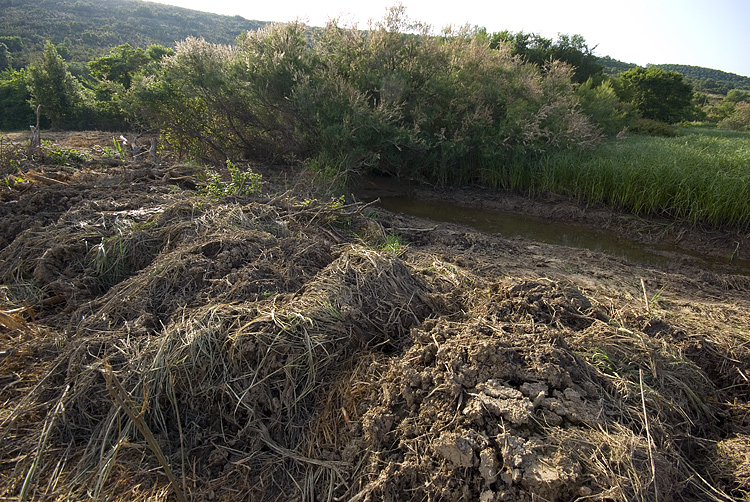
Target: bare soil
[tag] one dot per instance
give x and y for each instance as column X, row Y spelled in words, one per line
column 159, row 344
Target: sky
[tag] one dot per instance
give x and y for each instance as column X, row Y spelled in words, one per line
column 710, row 33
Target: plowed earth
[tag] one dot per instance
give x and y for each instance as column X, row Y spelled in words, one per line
column 159, row 344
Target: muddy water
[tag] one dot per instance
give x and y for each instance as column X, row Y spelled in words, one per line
column 399, row 199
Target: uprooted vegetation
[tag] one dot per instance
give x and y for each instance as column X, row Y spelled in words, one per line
column 156, row 343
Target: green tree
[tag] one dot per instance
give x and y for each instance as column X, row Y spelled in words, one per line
column 14, row 44
column 536, row 49
column 737, row 95
column 657, row 94
column 5, row 58
column 157, row 52
column 15, row 113
column 738, row 119
column 119, row 65
column 600, row 102
column 52, row 86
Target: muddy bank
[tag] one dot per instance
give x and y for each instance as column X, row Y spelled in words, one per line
column 159, row 344
column 659, row 240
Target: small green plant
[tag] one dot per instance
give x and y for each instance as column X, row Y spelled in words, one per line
column 601, row 360
column 114, row 153
column 110, row 260
column 11, row 180
column 242, row 182
column 392, row 244
column 65, row 156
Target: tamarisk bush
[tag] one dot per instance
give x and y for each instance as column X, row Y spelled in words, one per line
column 395, row 98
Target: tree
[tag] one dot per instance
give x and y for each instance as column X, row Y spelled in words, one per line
column 119, row 65
column 534, row 48
column 52, row 86
column 157, row 52
column 657, row 94
column 5, row 58
column 738, row 119
column 737, row 95
column 15, row 113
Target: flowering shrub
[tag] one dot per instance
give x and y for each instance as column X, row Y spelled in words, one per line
column 395, row 98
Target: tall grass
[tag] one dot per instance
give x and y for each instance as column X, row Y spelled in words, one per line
column 702, row 175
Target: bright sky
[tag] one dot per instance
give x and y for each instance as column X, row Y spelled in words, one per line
column 710, row 33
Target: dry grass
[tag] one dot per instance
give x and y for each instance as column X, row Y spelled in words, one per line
column 260, row 350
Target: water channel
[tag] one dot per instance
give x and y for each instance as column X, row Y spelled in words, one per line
column 399, row 199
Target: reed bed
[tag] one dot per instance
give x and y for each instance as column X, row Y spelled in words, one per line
column 701, row 176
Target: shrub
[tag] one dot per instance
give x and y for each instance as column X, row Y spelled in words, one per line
column 395, row 98
column 738, row 119
column 653, row 128
column 241, row 183
column 600, row 102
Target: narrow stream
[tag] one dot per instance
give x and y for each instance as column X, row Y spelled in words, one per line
column 396, row 199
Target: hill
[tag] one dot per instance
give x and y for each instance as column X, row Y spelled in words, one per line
column 88, row 29
column 707, row 79
column 703, row 79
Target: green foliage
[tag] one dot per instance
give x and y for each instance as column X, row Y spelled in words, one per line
column 60, row 156
column 394, row 99
column 700, row 175
column 54, row 88
column 448, row 108
column 657, row 94
column 90, row 29
column 613, row 66
column 119, row 65
column 736, row 95
column 158, row 52
column 116, row 152
column 392, row 244
column 13, row 43
column 601, row 103
column 709, row 80
column 738, row 119
column 650, row 127
column 5, row 57
column 539, row 50
column 241, row 182
column 14, row 101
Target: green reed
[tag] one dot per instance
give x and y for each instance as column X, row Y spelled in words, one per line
column 702, row 175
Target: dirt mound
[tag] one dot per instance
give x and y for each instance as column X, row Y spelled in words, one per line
column 501, row 406
column 158, row 344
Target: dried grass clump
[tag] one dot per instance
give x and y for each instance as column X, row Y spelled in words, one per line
column 213, row 389
column 733, row 456
column 620, row 464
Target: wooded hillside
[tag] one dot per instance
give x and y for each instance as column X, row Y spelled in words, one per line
column 709, row 79
column 88, row 29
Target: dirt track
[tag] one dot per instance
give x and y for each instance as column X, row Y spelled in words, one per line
column 274, row 350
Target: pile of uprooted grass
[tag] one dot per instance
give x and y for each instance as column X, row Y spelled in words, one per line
column 259, row 350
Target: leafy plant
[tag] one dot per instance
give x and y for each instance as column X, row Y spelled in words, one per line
column 241, row 182
column 64, row 156
column 115, row 152
column 395, row 98
column 392, row 244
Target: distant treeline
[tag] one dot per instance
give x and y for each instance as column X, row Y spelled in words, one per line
column 708, row 80
column 702, row 79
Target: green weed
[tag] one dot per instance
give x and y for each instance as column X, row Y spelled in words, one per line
column 241, row 183
column 392, row 244
column 63, row 156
